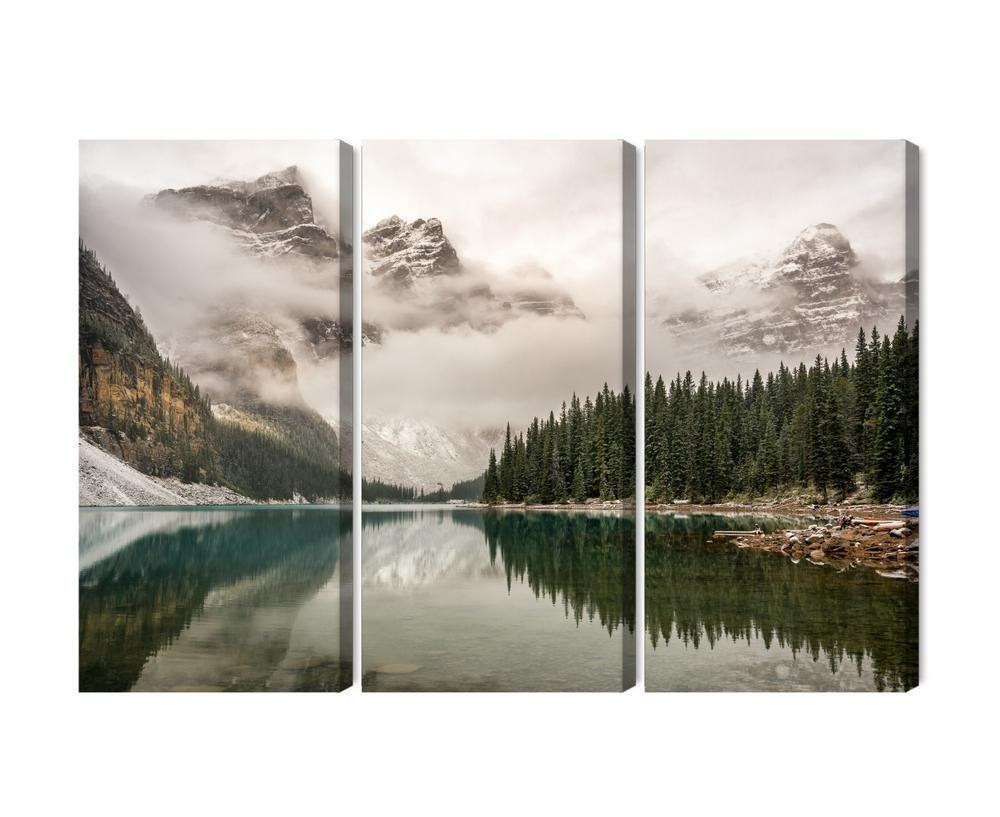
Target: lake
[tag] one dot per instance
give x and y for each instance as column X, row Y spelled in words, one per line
column 723, row 618
column 215, row 599
column 461, row 599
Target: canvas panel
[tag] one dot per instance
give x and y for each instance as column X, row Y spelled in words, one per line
column 781, row 416
column 498, row 438
column 214, row 415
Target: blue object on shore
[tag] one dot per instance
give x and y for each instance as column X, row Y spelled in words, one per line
column 913, row 513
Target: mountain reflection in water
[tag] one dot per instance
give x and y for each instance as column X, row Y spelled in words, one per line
column 213, row 599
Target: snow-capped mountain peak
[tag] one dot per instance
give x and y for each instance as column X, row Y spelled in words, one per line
column 803, row 299
column 399, row 252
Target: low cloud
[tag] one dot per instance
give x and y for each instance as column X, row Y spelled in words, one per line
column 192, row 282
column 465, row 379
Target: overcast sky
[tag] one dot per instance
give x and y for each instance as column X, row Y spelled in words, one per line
column 504, row 206
column 710, row 203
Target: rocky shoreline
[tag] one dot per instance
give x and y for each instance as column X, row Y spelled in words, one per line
column 891, row 548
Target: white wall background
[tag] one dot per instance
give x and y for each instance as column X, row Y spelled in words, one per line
column 513, row 69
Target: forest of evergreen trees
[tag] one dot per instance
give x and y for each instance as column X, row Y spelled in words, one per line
column 588, row 451
column 821, row 428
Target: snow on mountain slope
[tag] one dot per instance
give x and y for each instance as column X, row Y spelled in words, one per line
column 421, row 454
column 399, row 253
column 806, row 299
column 106, row 480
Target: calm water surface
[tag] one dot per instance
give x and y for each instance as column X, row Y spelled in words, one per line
column 722, row 618
column 466, row 599
column 213, row 599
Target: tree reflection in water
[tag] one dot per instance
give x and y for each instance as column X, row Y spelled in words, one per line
column 139, row 600
column 701, row 592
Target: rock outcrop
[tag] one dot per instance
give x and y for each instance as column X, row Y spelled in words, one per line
column 399, row 253
column 132, row 402
column 271, row 216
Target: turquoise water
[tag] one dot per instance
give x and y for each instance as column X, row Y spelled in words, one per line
column 216, row 599
column 729, row 619
column 467, row 600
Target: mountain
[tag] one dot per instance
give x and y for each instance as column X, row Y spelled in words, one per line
column 421, row 454
column 132, row 402
column 154, row 421
column 257, row 360
column 418, row 280
column 271, row 216
column 806, row 298
column 399, row 253
column 417, row 266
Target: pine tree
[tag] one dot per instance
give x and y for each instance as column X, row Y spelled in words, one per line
column 506, row 468
column 579, row 486
column 491, row 485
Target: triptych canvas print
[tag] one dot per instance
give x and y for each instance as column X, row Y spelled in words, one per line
column 502, row 458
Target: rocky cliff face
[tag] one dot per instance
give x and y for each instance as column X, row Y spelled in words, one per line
column 271, row 216
column 804, row 300
column 399, row 253
column 132, row 403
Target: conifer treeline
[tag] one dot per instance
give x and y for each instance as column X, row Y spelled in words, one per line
column 375, row 490
column 820, row 427
column 588, row 451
